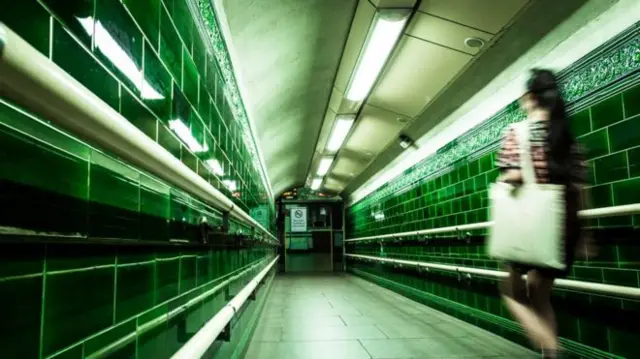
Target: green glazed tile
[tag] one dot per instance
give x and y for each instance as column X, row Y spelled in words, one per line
column 159, row 80
column 634, row 162
column 71, row 13
column 170, row 46
column 169, row 141
column 118, row 29
column 138, row 115
column 20, row 307
column 624, row 342
column 179, row 11
column 200, row 57
column 61, row 257
column 167, row 279
column 626, row 192
column 113, row 183
column 631, row 99
column 601, row 196
column 76, row 306
column 595, row 144
column 77, row 62
column 154, row 197
column 21, row 259
column 607, row 112
column 615, row 222
column 74, row 352
column 30, row 160
column 147, row 14
column 625, row 134
column 190, row 75
column 152, row 344
column 581, row 122
column 109, row 337
column 36, row 30
column 204, row 104
column 134, row 290
column 611, row 168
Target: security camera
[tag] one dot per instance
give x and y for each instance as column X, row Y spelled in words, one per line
column 405, row 141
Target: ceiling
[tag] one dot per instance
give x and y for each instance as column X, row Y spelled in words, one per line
column 294, row 60
column 287, row 53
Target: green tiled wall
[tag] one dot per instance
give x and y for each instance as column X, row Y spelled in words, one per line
column 174, row 77
column 450, row 189
column 71, row 301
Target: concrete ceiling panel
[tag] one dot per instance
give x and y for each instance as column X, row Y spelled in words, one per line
column 287, row 52
column 373, row 131
column 486, row 15
column 446, row 33
column 419, row 71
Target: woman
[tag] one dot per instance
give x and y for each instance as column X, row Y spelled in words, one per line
column 556, row 160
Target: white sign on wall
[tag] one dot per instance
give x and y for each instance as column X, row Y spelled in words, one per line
column 299, row 219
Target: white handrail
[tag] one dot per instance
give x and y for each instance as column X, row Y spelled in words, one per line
column 601, row 288
column 590, row 213
column 33, row 80
column 200, row 342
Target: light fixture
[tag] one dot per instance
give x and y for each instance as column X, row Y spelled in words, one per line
column 185, row 135
column 339, row 132
column 383, row 34
column 119, row 58
column 215, row 166
column 325, row 164
column 315, row 184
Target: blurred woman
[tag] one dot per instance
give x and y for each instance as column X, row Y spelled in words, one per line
column 556, row 160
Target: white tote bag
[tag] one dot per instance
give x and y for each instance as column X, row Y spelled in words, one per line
column 528, row 220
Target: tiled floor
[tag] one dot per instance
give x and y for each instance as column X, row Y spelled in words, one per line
column 345, row 317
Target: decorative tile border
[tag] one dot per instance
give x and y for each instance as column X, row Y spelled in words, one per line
column 232, row 91
column 612, row 61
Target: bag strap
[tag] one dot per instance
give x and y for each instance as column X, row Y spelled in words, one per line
column 526, row 160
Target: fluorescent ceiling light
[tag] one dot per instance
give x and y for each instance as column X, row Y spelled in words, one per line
column 339, row 132
column 185, row 135
column 215, row 166
column 384, row 33
column 325, row 164
column 315, row 184
column 112, row 50
column 230, row 184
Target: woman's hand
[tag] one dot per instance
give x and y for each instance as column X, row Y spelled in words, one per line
column 511, row 176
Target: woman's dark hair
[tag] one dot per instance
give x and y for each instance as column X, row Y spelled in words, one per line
column 543, row 86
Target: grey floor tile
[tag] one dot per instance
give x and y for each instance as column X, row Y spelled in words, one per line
column 307, row 350
column 333, row 333
column 347, row 317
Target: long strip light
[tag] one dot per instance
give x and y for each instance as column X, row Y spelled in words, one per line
column 185, row 135
column 315, row 184
column 323, row 167
column 339, row 132
column 112, row 50
column 384, row 33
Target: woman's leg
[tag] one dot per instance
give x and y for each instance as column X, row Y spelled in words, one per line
column 515, row 297
column 540, row 287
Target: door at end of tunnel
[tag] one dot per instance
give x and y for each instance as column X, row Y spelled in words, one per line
column 315, row 257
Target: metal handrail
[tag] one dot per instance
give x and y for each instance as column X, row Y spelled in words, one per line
column 30, row 78
column 600, row 288
column 154, row 323
column 200, row 342
column 590, row 213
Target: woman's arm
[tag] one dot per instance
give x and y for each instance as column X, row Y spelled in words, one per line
column 508, row 159
column 511, row 176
